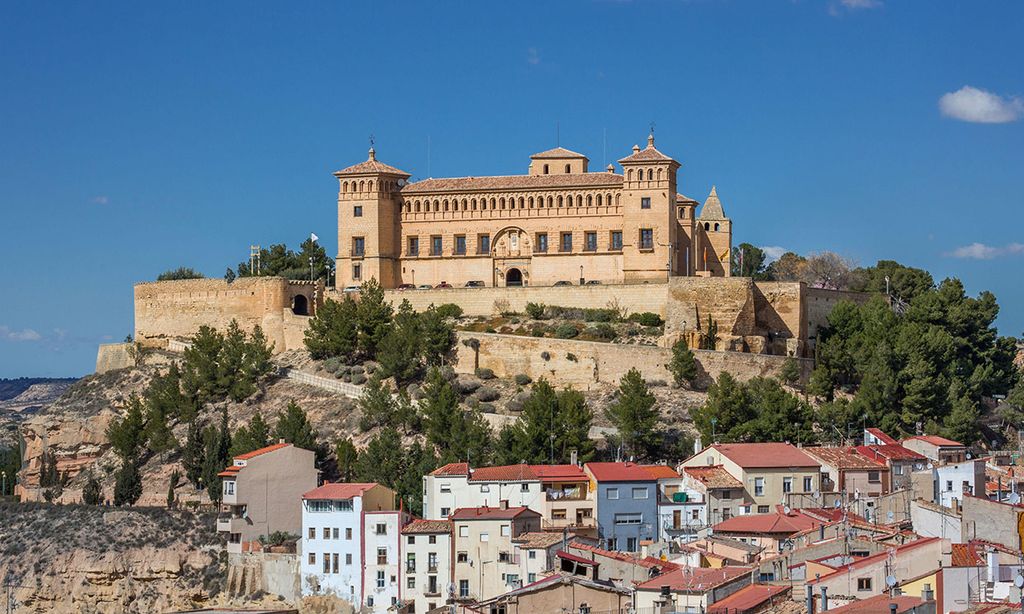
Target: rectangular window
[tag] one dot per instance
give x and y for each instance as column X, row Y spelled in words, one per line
column 327, row 563
column 483, row 244
column 382, row 555
column 334, row 562
column 462, row 557
column 898, row 469
column 758, row 487
column 612, row 493
column 334, row 533
column 863, row 584
column 505, row 529
column 762, row 509
column 460, row 244
column 312, row 533
column 445, row 512
column 327, row 533
column 531, row 578
column 463, row 588
column 229, row 487
column 410, row 563
column 357, row 211
column 414, row 246
column 410, row 540
column 646, row 238
column 432, row 539
column 590, row 241
column 512, row 579
column 524, row 488
column 358, row 246
column 629, row 518
column 808, row 483
column 431, row 588
column 485, row 537
column 446, row 487
column 410, row 582
column 645, row 202
column 558, row 514
column 348, row 559
column 435, row 245
column 542, row 242
column 640, row 493
column 380, row 578
column 485, row 488
column 464, row 530
column 348, row 533
column 787, row 485
column 357, row 271
column 532, row 554
column 874, row 477
column 382, row 529
column 631, row 544
column 431, row 562
column 616, row 241
column 566, row 244
column 312, row 558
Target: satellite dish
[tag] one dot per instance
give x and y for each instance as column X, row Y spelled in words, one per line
column 1019, row 581
column 890, row 516
column 929, row 466
column 890, row 581
column 786, row 510
column 816, row 495
column 451, row 588
column 838, row 504
column 1014, row 498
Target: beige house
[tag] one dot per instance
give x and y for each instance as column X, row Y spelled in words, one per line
column 486, row 561
column 428, row 562
column 767, row 472
column 558, row 222
column 845, row 470
column 262, row 493
column 560, row 593
column 690, row 589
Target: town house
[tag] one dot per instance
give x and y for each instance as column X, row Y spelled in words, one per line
column 627, row 504
column 427, row 555
column 486, row 563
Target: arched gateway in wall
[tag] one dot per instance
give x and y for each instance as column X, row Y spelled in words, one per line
column 511, row 253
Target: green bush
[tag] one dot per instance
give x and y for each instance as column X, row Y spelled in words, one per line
column 484, row 373
column 486, row 408
column 572, row 357
column 646, row 318
column 486, row 393
column 566, row 331
column 603, row 331
column 600, row 315
column 359, row 379
column 538, row 331
column 523, row 379
column 535, row 311
column 331, row 365
column 179, row 273
column 449, row 310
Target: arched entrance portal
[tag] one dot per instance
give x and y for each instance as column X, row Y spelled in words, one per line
column 300, row 305
column 513, row 277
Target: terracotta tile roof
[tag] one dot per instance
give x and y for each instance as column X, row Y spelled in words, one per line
column 619, row 472
column 562, row 554
column 765, row 455
column 778, row 523
column 452, row 469
column 513, row 182
column 882, row 436
column 874, row 558
column 681, row 199
column 538, row 539
column 747, row 598
column 694, row 579
column 647, row 154
column 935, row 440
column 503, row 473
column 230, row 472
column 713, row 476
column 879, row 604
column 557, row 152
column 266, row 450
column 890, row 452
column 491, row 513
column 428, row 526
column 660, row 472
column 371, row 165
column 843, row 458
column 559, row 473
column 339, row 490
column 665, row 566
column 966, row 555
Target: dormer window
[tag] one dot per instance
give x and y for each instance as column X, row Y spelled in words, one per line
column 545, row 169
column 567, row 169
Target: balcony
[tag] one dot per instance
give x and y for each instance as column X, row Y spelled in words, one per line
column 228, row 523
column 574, row 494
column 568, row 523
column 432, row 568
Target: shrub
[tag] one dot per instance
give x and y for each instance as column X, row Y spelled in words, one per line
column 357, row 370
column 484, row 373
column 490, row 329
column 571, row 357
column 331, row 365
column 603, row 331
column 545, row 355
column 566, row 331
column 538, row 331
column 646, row 318
column 535, row 311
column 359, row 379
column 339, row 374
column 599, row 315
column 466, row 385
column 179, row 273
column 486, row 393
column 657, row 383
column 486, row 408
column 347, row 378
column 449, row 310
column 472, row 342
column 632, row 331
column 790, row 372
column 683, row 365
column 522, row 379
column 514, row 406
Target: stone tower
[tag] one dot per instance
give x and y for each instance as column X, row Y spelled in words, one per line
column 369, row 224
column 648, row 215
column 714, row 251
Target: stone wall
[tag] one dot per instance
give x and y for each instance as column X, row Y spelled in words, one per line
column 585, row 363
column 819, row 302
column 112, row 356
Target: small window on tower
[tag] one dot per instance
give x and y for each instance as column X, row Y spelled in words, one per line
column 645, row 203
column 357, row 271
column 357, row 211
column 567, row 168
column 545, row 169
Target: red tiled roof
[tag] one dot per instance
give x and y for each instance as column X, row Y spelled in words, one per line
column 559, row 473
column 514, row 182
column 767, row 523
column 230, row 472
column 537, row 539
column 882, row 436
column 891, row 452
column 879, row 604
column 339, row 490
column 490, row 513
column 648, row 562
column 428, row 526
column 680, row 198
column 562, row 554
column 653, row 561
column 557, row 152
column 370, row 166
column 747, row 598
column 503, row 473
column 966, row 555
column 843, row 458
column 648, row 154
column 268, row 449
column 935, row 440
column 452, row 469
column 619, row 472
column 661, row 471
column 867, row 560
column 694, row 579
column 765, row 455
column 713, row 476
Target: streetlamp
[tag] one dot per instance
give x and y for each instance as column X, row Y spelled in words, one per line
column 310, row 268
column 582, row 280
column 3, row 488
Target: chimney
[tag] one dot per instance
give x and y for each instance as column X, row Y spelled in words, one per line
column 824, row 598
column 697, row 447
column 573, row 457
column 504, row 504
column 281, row 440
column 810, row 598
column 927, row 594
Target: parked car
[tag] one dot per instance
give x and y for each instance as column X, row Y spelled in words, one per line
column 406, row 287
column 563, row 283
column 424, row 287
column 476, row 283
column 351, row 289
column 593, row 282
column 443, row 284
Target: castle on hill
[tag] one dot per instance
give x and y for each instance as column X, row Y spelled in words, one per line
column 558, row 222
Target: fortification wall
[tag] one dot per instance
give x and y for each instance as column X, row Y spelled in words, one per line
column 819, row 302
column 111, row 356
column 586, row 363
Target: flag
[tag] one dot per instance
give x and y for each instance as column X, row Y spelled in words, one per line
column 313, row 237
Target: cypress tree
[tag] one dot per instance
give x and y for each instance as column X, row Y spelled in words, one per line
column 634, row 414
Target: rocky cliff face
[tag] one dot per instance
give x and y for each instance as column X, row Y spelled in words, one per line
column 23, row 398
column 71, row 559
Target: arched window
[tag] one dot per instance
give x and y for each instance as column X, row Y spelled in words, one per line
column 437, row 206
column 550, row 201
column 417, row 206
column 579, row 200
column 545, row 169
column 473, row 204
column 608, row 200
column 559, row 201
column 707, row 226
column 590, row 200
column 650, row 174
column 362, row 186
column 446, row 204
column 659, row 174
column 716, row 226
column 629, row 175
column 501, row 202
column 369, row 185
column 493, row 204
column 522, row 203
column 344, row 187
column 598, row 200
column 530, row 200
column 618, row 199
column 465, row 205
column 567, row 169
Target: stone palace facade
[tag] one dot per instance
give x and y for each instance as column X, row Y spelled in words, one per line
column 558, row 222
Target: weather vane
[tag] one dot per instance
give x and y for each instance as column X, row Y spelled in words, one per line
column 371, row 140
column 652, row 127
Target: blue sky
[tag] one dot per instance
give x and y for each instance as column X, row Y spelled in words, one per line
column 137, row 137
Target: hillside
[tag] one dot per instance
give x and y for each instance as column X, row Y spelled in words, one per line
column 23, row 397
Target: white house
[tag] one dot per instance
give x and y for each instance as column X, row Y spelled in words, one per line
column 426, row 553
column 456, row 485
column 382, row 573
column 953, row 480
column 332, row 537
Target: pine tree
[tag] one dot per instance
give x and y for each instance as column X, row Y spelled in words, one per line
column 171, row 499
column 377, row 405
column 214, row 463
column 962, row 423
column 252, row 437
column 193, row 455
column 128, row 486
column 399, row 351
column 407, row 413
column 258, row 352
column 471, row 440
column 231, row 365
column 634, row 414
column 683, row 365
column 373, row 314
column 539, row 425
column 201, row 358
column 418, row 462
column 441, row 412
column 437, row 337
column 348, row 457
column 164, row 395
column 382, row 459
column 293, row 427
column 157, row 432
column 333, row 332
column 127, row 436
column 92, row 493
column 576, row 418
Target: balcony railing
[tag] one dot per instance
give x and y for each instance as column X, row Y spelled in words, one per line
column 566, row 495
column 432, row 568
column 410, row 568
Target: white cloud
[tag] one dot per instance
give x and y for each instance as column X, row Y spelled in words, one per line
column 971, row 104
column 836, row 7
column 980, row 251
column 26, row 334
column 99, row 200
column 533, row 56
column 772, row 253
